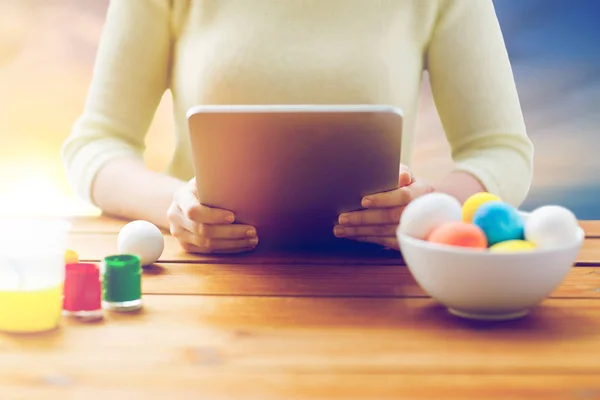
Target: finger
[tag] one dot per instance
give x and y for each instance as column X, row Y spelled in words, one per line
column 418, row 188
column 209, row 215
column 231, row 231
column 389, row 242
column 193, row 210
column 179, row 221
column 398, row 197
column 192, row 184
column 187, row 200
column 392, row 198
column 174, row 214
column 208, row 245
column 376, row 216
column 366, row 230
column 404, row 179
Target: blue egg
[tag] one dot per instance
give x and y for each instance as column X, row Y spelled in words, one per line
column 499, row 221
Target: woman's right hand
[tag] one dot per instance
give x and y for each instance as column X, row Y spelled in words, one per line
column 202, row 229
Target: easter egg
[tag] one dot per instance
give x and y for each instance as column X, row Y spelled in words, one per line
column 474, row 202
column 143, row 239
column 551, row 226
column 499, row 221
column 458, row 233
column 512, row 246
column 422, row 215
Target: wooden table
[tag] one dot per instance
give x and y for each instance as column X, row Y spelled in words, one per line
column 267, row 326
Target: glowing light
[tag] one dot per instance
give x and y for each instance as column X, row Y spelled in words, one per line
column 38, row 192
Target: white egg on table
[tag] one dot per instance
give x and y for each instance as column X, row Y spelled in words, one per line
column 422, row 215
column 551, row 226
column 143, row 239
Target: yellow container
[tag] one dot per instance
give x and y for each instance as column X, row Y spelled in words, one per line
column 32, row 271
column 37, row 310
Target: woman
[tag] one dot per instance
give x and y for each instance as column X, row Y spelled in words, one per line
column 286, row 52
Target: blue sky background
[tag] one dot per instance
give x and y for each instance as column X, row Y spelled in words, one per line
column 554, row 47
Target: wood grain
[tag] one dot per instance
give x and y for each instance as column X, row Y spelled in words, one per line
column 189, row 384
column 317, row 280
column 95, row 246
column 107, row 224
column 186, row 334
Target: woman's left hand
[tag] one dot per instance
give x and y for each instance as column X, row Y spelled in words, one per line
column 378, row 222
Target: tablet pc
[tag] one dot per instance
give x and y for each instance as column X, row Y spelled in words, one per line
column 290, row 170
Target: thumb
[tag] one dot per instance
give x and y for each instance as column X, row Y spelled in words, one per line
column 405, row 179
column 194, row 188
column 419, row 188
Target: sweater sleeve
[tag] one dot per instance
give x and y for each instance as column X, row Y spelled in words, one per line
column 475, row 94
column 130, row 76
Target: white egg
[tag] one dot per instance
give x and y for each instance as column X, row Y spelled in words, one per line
column 551, row 226
column 427, row 212
column 143, row 239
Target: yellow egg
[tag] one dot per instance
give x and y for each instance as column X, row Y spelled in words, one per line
column 512, row 246
column 474, row 202
column 71, row 257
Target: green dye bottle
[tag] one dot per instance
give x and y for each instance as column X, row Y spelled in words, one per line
column 122, row 283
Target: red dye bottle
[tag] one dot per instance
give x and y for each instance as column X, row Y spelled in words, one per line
column 82, row 292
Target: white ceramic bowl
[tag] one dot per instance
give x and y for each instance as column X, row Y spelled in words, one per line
column 487, row 286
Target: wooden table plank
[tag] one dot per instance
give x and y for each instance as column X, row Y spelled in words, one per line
column 590, row 253
column 315, row 327
column 96, row 224
column 306, row 335
column 591, row 228
column 317, row 281
column 215, row 385
column 106, row 224
column 95, row 246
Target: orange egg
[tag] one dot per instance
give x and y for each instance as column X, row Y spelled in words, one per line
column 459, row 234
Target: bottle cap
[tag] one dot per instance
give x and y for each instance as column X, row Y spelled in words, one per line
column 82, row 287
column 71, row 257
column 122, row 278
